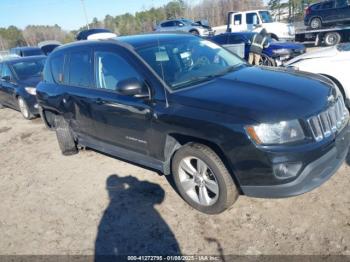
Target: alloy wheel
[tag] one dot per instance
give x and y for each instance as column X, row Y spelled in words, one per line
column 198, row 181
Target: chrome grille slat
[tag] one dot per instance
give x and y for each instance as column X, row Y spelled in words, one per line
column 330, row 121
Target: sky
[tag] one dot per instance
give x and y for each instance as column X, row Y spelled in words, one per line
column 66, row 13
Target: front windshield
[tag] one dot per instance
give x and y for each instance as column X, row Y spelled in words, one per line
column 266, row 17
column 28, row 69
column 187, row 21
column 183, row 63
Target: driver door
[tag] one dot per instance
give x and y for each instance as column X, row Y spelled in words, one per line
column 120, row 120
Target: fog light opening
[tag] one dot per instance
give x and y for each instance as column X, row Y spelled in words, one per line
column 286, row 170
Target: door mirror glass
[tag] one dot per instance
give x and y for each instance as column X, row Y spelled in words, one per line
column 131, row 87
column 6, row 78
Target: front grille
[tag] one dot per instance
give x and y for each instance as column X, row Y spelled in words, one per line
column 329, row 122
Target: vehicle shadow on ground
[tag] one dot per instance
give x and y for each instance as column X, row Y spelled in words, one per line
column 131, row 225
column 348, row 159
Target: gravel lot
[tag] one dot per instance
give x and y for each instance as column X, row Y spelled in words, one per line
column 51, row 204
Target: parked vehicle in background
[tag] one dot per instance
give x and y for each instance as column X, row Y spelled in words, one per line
column 185, row 106
column 5, row 55
column 332, row 62
column 48, row 46
column 26, row 51
column 327, row 13
column 275, row 54
column 18, row 80
column 257, row 19
column 95, row 34
column 185, row 25
column 325, row 36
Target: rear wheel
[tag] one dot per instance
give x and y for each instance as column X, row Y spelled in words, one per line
column 203, row 180
column 332, row 38
column 316, row 23
column 65, row 137
column 24, row 109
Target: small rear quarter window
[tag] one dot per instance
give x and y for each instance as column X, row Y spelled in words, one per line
column 57, row 63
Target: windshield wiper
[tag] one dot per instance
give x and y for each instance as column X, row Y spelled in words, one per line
column 200, row 79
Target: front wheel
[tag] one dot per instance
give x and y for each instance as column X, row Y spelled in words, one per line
column 23, row 107
column 266, row 61
column 194, row 32
column 202, row 179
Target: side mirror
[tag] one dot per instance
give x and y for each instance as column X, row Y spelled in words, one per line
column 6, row 78
column 131, row 87
column 181, row 24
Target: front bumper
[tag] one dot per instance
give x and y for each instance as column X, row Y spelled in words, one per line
column 32, row 104
column 313, row 175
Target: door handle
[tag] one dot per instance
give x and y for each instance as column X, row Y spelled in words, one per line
column 99, row 101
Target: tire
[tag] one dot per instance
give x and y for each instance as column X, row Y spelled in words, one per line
column 23, row 107
column 206, row 185
column 65, row 137
column 194, row 32
column 315, row 23
column 267, row 61
column 332, row 38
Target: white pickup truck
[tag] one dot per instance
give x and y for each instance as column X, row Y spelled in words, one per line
column 255, row 20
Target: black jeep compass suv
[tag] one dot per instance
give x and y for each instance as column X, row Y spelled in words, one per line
column 189, row 108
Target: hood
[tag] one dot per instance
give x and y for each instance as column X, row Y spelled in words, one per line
column 30, row 82
column 325, row 52
column 287, row 45
column 260, row 94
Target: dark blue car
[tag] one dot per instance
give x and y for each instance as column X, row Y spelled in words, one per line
column 275, row 54
column 18, row 80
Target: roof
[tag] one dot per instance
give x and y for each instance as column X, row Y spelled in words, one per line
column 138, row 41
column 134, row 41
column 22, row 59
column 25, row 48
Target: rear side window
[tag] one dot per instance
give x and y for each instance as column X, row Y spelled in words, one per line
column 341, row 3
column 6, row 71
column 168, row 24
column 328, row 5
column 79, row 69
column 57, row 63
column 110, row 69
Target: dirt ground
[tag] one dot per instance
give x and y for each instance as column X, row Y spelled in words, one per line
column 87, row 203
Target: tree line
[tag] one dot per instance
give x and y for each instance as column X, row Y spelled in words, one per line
column 215, row 11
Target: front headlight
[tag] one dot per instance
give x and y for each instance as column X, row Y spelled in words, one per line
column 282, row 52
column 31, row 90
column 277, row 133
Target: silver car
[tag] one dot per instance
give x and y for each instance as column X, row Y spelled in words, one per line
column 200, row 28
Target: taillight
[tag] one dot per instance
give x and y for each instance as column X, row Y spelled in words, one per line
column 307, row 11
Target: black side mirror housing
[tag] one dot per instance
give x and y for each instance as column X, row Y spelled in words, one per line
column 132, row 87
column 6, row 78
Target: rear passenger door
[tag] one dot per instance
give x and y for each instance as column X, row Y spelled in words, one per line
column 120, row 120
column 75, row 97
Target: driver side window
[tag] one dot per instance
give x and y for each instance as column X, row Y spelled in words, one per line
column 110, row 69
